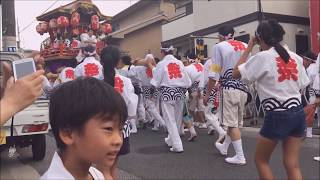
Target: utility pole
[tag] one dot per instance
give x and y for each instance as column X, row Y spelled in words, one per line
column 8, row 26
column 260, row 13
column 19, row 41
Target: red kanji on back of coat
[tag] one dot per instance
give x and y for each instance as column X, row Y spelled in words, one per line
column 118, row 84
column 288, row 70
column 198, row 67
column 91, row 69
column 174, row 71
column 70, row 74
column 149, row 73
column 237, row 45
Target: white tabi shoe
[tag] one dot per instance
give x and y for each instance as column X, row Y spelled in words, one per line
column 221, row 148
column 236, row 160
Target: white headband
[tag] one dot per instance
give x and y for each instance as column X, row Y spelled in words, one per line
column 167, row 49
column 191, row 60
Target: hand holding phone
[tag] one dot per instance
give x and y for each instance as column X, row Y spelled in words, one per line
column 22, row 93
column 23, row 67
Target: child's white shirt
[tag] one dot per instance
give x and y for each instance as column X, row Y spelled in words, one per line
column 58, row 171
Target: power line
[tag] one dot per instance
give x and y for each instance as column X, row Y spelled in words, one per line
column 41, row 14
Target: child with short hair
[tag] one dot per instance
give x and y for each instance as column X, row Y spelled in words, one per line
column 86, row 126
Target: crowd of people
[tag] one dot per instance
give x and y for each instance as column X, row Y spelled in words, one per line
column 96, row 105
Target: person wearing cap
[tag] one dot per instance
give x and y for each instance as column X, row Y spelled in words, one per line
column 171, row 77
column 234, row 92
column 144, row 75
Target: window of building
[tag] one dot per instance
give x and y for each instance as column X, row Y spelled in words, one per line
column 183, row 8
column 302, row 43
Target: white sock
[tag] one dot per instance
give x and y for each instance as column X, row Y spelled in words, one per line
column 217, row 127
column 133, row 124
column 309, row 132
column 237, row 145
column 227, row 142
column 192, row 131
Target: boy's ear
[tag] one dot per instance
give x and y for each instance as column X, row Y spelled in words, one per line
column 67, row 136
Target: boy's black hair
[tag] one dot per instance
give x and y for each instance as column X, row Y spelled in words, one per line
column 75, row 102
column 225, row 30
column 126, row 59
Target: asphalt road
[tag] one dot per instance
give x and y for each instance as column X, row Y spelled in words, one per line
column 150, row 159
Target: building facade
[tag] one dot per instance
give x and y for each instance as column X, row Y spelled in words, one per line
column 137, row 29
column 207, row 16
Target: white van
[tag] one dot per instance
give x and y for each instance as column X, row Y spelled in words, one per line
column 29, row 127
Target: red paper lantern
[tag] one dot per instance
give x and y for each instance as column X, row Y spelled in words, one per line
column 107, row 28
column 53, row 23
column 63, row 22
column 75, row 19
column 94, row 22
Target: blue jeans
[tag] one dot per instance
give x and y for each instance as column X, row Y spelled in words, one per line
column 281, row 124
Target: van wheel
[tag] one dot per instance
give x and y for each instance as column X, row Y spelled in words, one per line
column 38, row 147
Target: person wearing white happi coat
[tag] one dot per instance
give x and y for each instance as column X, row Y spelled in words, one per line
column 195, row 103
column 234, row 92
column 212, row 119
column 90, row 67
column 123, row 68
column 144, row 75
column 171, row 77
column 312, row 67
column 279, row 77
column 124, row 86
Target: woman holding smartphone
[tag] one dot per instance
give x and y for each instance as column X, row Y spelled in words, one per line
column 279, row 76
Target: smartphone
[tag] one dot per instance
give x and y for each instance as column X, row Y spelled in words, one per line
column 23, row 67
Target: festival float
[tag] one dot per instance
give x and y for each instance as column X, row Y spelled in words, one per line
column 65, row 26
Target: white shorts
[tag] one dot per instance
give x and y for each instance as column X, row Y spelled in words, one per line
column 233, row 105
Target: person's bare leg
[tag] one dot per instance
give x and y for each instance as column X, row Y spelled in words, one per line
column 264, row 149
column 291, row 149
column 234, row 133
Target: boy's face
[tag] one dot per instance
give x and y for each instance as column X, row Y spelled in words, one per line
column 99, row 140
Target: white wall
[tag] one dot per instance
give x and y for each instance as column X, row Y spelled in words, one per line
column 178, row 27
column 291, row 32
column 287, row 7
column 209, row 13
column 289, row 38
